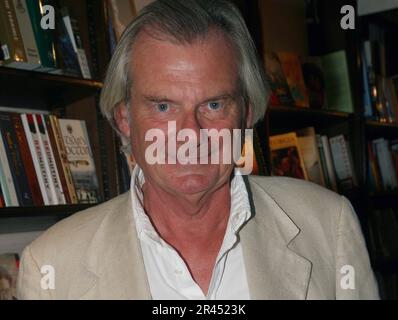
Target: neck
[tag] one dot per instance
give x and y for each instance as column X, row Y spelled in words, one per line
column 195, row 217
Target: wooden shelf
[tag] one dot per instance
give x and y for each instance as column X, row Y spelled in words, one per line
column 60, row 211
column 308, row 111
column 291, row 118
column 378, row 129
column 42, row 88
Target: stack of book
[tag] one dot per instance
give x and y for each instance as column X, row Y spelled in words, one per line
column 306, row 155
column 45, row 161
column 38, row 35
column 382, row 169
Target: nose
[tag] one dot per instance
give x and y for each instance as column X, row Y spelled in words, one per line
column 191, row 122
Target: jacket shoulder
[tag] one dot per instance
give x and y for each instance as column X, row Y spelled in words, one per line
column 75, row 232
column 304, row 201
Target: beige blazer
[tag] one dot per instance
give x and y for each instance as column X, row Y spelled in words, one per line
column 295, row 245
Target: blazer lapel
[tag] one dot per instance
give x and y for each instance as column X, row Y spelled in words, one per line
column 274, row 270
column 113, row 263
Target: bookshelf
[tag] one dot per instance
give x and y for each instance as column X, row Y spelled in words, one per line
column 68, row 95
column 49, row 89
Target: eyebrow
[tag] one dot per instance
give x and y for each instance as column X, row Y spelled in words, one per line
column 158, row 99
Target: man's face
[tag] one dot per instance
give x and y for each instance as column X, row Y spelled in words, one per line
column 195, row 85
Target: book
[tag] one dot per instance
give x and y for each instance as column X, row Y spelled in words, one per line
column 6, row 180
column 59, row 142
column 323, row 161
column 2, row 203
column 373, row 174
column 57, row 159
column 32, row 136
column 51, row 166
column 10, row 37
column 67, row 57
column 342, row 161
column 44, row 38
column 26, row 30
column 80, row 158
column 9, row 265
column 280, row 92
column 291, row 67
column 73, row 30
column 18, row 173
column 386, row 167
column 314, row 81
column 329, row 163
column 27, row 160
column 337, row 82
column 286, row 156
column 309, row 149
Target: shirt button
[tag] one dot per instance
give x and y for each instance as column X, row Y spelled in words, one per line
column 178, row 271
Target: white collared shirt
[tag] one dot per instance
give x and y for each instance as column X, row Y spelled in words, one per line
column 168, row 275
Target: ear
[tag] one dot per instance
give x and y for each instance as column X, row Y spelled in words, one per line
column 249, row 116
column 121, row 118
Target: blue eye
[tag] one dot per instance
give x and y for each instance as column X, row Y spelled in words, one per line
column 214, row 105
column 163, row 107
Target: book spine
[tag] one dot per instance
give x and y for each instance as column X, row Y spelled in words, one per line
column 94, row 180
column 27, row 160
column 7, row 184
column 28, row 38
column 64, row 159
column 11, row 40
column 329, row 163
column 44, row 38
column 2, row 204
column 323, row 161
column 14, row 159
column 32, row 136
column 53, row 172
column 81, row 54
column 341, row 162
column 57, row 159
column 373, row 173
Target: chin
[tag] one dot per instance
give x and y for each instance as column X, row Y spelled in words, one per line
column 191, row 179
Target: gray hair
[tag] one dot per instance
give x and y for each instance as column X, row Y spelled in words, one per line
column 186, row 21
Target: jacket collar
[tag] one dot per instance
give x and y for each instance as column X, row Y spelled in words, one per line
column 274, row 270
column 114, row 267
column 114, row 257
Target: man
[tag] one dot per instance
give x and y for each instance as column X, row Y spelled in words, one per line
column 198, row 231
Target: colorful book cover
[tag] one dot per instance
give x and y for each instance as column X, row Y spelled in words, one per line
column 291, row 66
column 9, row 265
column 81, row 161
column 44, row 38
column 32, row 137
column 49, row 159
column 19, row 176
column 57, row 158
column 27, row 160
column 280, row 92
column 286, row 156
column 64, row 159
